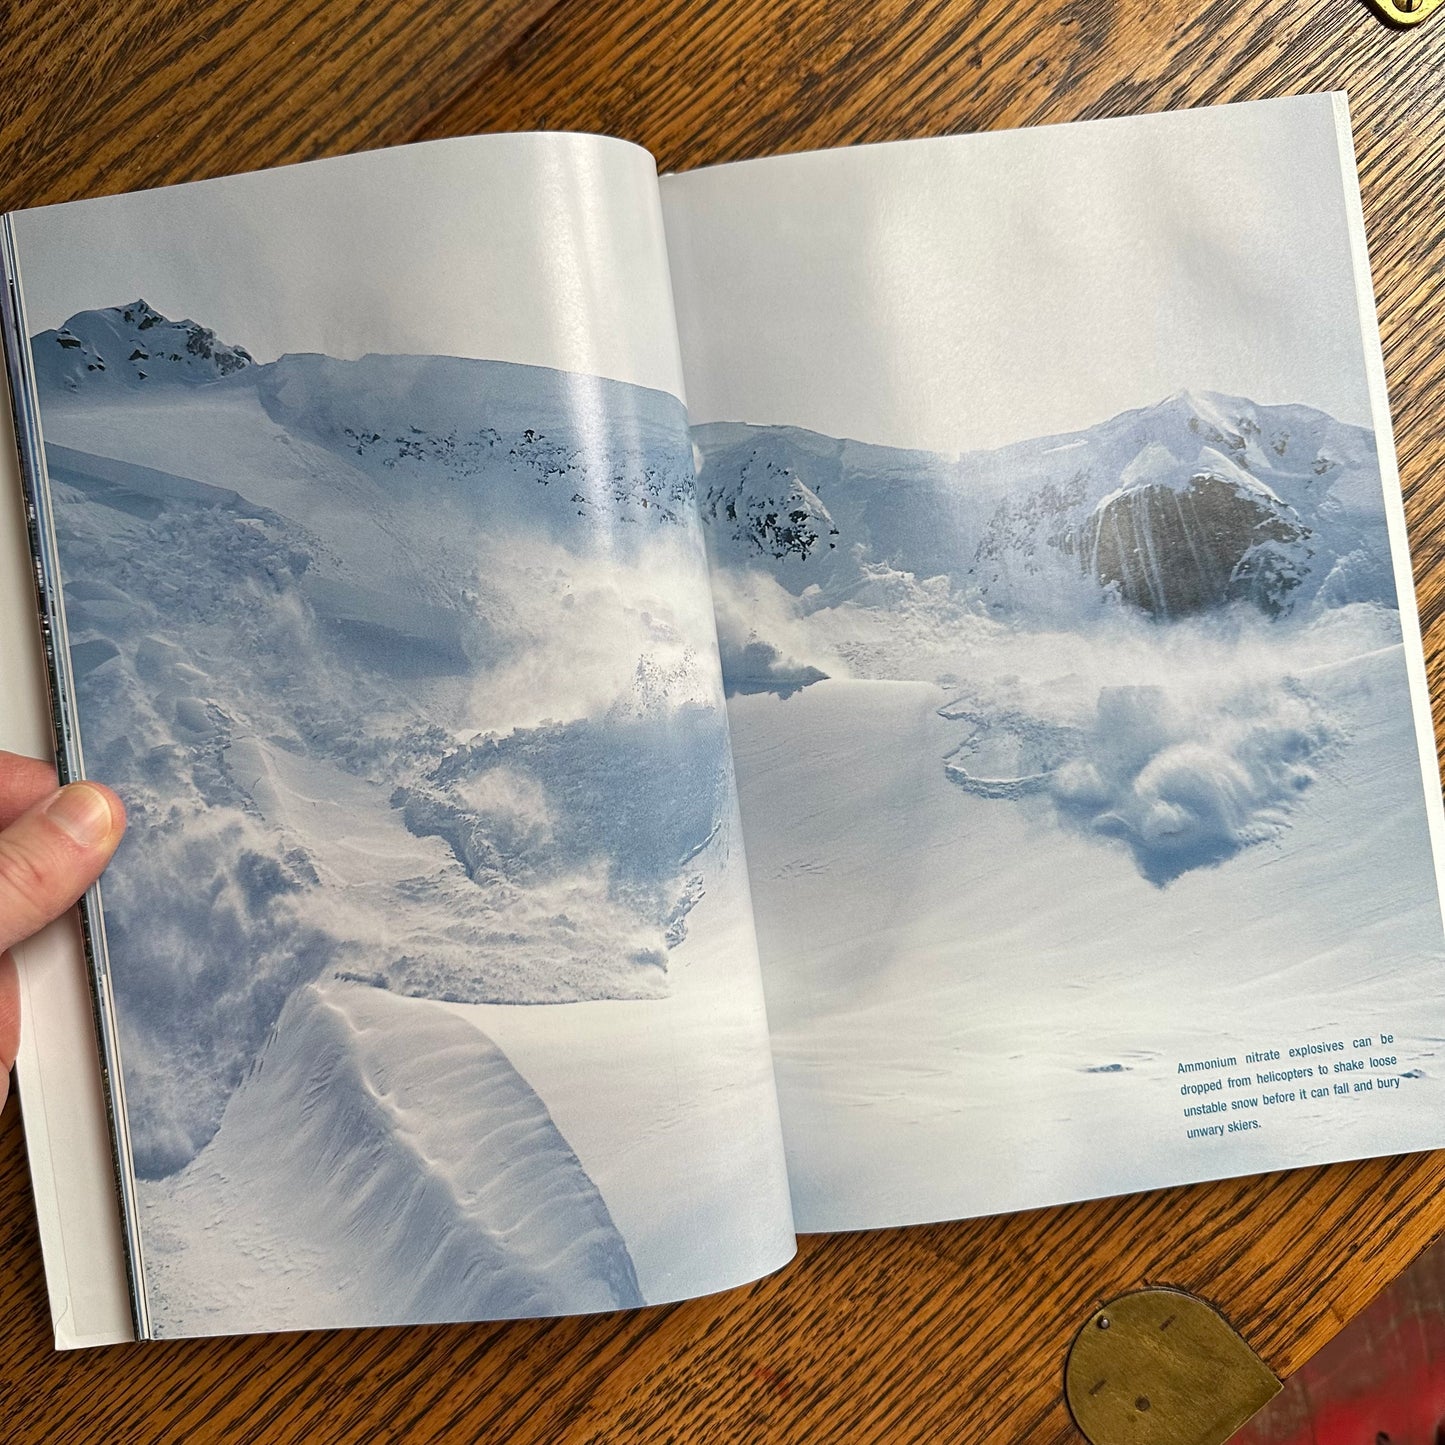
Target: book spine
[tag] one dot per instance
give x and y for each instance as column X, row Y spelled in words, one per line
column 70, row 764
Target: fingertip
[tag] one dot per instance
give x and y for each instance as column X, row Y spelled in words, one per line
column 118, row 816
column 88, row 813
column 52, row 854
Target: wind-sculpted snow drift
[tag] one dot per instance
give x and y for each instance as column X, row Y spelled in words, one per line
column 421, row 1177
column 405, row 669
column 1088, row 600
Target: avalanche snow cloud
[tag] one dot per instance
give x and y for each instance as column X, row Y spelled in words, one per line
column 1164, row 551
column 405, row 668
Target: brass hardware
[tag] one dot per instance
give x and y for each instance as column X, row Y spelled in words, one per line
column 1161, row 1367
column 1406, row 12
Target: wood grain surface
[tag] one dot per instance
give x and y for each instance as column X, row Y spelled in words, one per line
column 950, row 1332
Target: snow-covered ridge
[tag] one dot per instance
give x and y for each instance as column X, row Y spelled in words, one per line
column 408, row 420
column 383, row 1163
column 552, row 435
column 1196, row 502
column 132, row 345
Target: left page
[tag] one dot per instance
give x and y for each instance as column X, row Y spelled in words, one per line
column 364, row 498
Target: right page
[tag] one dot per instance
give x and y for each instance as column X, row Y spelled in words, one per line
column 1076, row 690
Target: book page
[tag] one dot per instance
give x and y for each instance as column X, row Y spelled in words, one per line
column 368, row 504
column 1075, row 677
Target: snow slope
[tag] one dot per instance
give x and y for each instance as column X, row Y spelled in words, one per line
column 975, row 1010
column 1062, row 765
column 381, row 1164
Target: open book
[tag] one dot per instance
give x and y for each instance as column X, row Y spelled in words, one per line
column 822, row 693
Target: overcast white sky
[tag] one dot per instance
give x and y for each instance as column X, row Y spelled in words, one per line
column 948, row 294
column 977, row 290
column 541, row 249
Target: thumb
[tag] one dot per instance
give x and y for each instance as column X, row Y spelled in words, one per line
column 51, row 854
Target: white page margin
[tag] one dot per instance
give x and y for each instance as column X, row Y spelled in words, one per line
column 1374, row 357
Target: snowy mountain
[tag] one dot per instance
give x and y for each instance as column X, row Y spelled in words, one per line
column 1197, row 502
column 407, row 421
column 131, row 345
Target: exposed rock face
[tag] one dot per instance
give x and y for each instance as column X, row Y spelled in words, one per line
column 1175, row 550
column 771, row 511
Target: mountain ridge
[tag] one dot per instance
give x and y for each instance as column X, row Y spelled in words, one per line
column 132, row 345
column 1270, row 504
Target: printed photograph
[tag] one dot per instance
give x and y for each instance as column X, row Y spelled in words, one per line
column 430, row 937
column 1038, row 743
column 1066, row 672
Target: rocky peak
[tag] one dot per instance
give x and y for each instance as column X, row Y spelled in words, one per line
column 1178, row 540
column 132, row 345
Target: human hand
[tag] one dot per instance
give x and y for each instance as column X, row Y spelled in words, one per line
column 53, row 845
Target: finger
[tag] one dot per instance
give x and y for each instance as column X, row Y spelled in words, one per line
column 51, row 854
column 9, row 1022
column 23, row 783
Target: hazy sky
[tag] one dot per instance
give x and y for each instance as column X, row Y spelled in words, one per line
column 540, row 249
column 947, row 294
column 977, row 290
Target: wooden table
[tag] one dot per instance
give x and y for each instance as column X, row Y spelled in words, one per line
column 952, row 1332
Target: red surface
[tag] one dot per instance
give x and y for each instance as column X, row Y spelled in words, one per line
column 1381, row 1381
